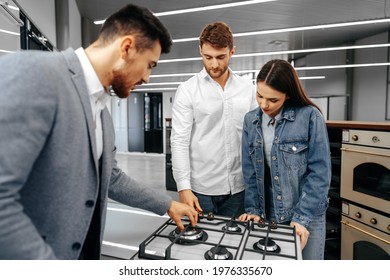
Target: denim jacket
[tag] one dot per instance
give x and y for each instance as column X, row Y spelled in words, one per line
column 300, row 164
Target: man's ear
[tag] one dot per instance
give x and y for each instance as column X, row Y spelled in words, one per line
column 233, row 50
column 127, row 46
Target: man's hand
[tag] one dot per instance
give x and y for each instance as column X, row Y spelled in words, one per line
column 178, row 210
column 302, row 232
column 187, row 197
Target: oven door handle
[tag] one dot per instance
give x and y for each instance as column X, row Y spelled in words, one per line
column 363, row 152
column 365, row 232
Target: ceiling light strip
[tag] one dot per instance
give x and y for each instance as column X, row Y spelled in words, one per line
column 173, row 75
column 285, row 52
column 5, row 51
column 9, row 6
column 312, row 78
column 294, row 29
column 154, row 89
column 296, row 68
column 202, row 9
column 212, row 7
column 9, row 32
column 343, row 66
column 314, row 50
column 173, row 89
column 161, row 84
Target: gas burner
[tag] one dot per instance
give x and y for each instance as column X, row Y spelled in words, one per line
column 270, row 246
column 218, row 253
column 189, row 236
column 231, row 227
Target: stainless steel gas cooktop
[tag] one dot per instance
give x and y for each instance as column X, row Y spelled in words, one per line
column 221, row 238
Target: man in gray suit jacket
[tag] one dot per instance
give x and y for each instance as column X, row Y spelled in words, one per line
column 57, row 153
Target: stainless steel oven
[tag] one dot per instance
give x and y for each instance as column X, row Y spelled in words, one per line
column 365, row 192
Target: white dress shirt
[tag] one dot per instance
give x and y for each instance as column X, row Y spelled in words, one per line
column 97, row 95
column 206, row 133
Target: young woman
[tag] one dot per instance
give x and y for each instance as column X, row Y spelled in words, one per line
column 286, row 158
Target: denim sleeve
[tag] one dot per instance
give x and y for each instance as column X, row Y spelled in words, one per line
column 315, row 185
column 251, row 202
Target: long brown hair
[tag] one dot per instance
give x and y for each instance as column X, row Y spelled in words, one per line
column 281, row 76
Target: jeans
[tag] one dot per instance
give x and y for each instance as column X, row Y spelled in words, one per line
column 315, row 247
column 223, row 205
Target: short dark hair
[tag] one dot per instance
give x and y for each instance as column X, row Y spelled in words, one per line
column 218, row 35
column 138, row 21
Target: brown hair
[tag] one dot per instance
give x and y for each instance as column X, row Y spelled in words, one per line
column 217, row 34
column 281, row 76
column 138, row 21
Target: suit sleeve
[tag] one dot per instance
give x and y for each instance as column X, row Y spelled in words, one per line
column 128, row 191
column 27, row 110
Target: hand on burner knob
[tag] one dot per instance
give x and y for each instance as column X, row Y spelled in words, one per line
column 187, row 197
column 248, row 217
column 302, row 232
column 178, row 210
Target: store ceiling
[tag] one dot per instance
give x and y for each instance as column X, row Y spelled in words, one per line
column 262, row 16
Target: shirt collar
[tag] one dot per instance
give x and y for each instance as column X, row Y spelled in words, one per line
column 94, row 86
column 268, row 120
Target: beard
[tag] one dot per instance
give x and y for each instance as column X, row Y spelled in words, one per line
column 119, row 84
column 216, row 73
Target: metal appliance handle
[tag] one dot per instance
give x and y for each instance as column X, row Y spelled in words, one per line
column 363, row 152
column 365, row 232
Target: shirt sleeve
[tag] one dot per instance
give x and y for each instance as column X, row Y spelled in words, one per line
column 182, row 121
column 254, row 103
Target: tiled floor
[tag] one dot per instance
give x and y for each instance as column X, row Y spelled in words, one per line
column 148, row 169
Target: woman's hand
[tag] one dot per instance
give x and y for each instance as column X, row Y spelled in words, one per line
column 248, row 217
column 302, row 232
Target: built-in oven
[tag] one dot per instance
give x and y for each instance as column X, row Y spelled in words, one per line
column 365, row 193
column 364, row 234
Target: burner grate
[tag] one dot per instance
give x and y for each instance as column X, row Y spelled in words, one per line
column 220, row 240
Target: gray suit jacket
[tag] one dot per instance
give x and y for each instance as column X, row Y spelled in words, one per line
column 49, row 178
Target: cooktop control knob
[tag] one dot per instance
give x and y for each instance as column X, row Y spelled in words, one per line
column 373, row 221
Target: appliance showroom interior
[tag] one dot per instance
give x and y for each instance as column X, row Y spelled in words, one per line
column 340, row 49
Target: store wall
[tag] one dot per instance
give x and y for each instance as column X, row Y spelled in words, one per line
column 370, row 98
column 42, row 14
column 368, row 92
column 10, row 34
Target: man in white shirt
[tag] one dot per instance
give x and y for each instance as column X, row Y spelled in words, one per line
column 207, row 120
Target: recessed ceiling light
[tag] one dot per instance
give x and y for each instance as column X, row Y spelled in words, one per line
column 202, row 9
